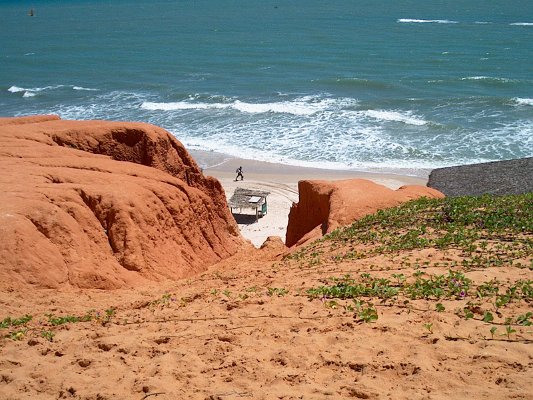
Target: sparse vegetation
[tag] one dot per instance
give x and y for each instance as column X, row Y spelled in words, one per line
column 66, row 319
column 26, row 326
column 339, row 294
column 487, row 231
column 480, row 232
column 48, row 335
column 12, row 322
column 279, row 292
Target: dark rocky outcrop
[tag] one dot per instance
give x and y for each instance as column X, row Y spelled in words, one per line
column 498, row 178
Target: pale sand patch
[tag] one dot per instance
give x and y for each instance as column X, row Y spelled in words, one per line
column 282, row 183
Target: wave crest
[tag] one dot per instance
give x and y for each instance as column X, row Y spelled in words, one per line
column 300, row 106
column 16, row 89
column 181, row 105
column 395, row 116
column 488, row 79
column 426, row 21
column 31, row 92
column 523, row 101
column 84, row 88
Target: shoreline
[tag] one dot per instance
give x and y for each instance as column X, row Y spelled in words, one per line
column 223, row 166
column 281, row 181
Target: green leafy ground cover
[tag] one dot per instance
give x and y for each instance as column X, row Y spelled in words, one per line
column 46, row 326
column 487, row 230
column 423, row 237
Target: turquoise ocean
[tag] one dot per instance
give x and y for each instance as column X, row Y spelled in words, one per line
column 381, row 85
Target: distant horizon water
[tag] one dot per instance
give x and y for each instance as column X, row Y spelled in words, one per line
column 366, row 85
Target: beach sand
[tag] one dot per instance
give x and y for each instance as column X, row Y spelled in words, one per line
column 281, row 181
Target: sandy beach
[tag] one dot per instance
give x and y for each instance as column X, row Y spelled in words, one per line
column 281, row 181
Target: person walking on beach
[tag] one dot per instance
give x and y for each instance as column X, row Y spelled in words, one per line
column 239, row 174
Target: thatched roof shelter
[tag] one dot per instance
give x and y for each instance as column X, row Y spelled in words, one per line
column 255, row 200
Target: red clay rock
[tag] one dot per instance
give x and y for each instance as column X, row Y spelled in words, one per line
column 324, row 206
column 271, row 249
column 27, row 120
column 69, row 217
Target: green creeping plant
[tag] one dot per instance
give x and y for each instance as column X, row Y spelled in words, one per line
column 8, row 321
column 56, row 321
column 280, row 292
column 525, row 319
column 488, row 317
column 493, row 331
column 486, row 229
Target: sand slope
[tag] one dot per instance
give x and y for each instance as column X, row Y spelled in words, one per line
column 246, row 329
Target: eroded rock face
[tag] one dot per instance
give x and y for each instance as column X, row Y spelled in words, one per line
column 326, row 205
column 99, row 204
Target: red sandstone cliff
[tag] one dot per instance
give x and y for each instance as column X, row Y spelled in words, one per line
column 105, row 205
column 325, row 205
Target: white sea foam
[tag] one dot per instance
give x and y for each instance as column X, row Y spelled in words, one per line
column 396, row 116
column 16, row 89
column 42, row 89
column 523, row 101
column 31, row 92
column 326, row 132
column 503, row 142
column 487, row 79
column 312, row 131
column 181, row 105
column 426, row 21
column 368, row 141
column 522, row 24
column 475, row 78
column 482, row 22
column 115, row 105
column 334, row 138
column 84, row 88
column 301, row 106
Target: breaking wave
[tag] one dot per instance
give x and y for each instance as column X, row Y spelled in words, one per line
column 395, row 116
column 426, row 21
column 84, row 88
column 301, row 106
column 486, row 78
column 523, row 101
column 31, row 92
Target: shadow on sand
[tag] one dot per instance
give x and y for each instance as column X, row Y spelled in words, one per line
column 245, row 219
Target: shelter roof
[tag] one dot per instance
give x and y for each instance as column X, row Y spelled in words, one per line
column 247, row 198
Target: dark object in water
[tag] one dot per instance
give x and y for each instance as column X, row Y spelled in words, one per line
column 31, row 13
column 498, row 178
